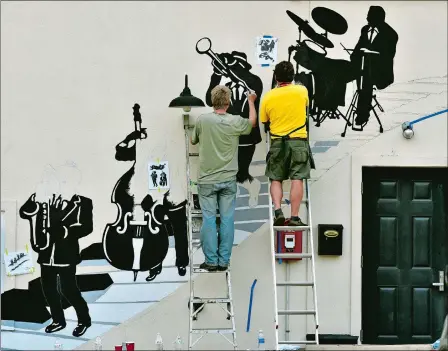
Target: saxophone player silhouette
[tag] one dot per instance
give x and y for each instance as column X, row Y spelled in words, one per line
column 56, row 225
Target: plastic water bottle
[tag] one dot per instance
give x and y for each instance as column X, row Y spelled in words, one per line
column 178, row 343
column 261, row 344
column 58, row 345
column 436, row 345
column 98, row 344
column 159, row 342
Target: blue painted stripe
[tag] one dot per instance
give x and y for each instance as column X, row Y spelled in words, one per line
column 426, row 117
column 267, row 36
column 265, row 65
column 249, row 313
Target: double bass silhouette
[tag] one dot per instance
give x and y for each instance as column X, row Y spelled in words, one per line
column 138, row 239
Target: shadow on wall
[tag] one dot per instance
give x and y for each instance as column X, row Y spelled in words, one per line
column 370, row 65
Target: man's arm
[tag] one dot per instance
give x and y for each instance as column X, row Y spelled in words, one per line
column 252, row 111
column 196, row 131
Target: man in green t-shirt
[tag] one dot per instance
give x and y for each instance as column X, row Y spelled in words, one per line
column 218, row 136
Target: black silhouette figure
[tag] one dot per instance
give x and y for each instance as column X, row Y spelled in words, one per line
column 266, row 48
column 163, row 179
column 376, row 46
column 55, row 228
column 154, row 178
column 234, row 66
column 142, row 245
column 327, row 80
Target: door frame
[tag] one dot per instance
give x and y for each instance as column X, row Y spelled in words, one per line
column 360, row 160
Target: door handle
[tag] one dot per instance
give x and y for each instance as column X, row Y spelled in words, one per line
column 441, row 282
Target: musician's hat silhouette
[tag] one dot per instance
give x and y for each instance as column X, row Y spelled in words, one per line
column 240, row 58
column 376, row 15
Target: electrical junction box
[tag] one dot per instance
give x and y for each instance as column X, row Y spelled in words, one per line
column 289, row 242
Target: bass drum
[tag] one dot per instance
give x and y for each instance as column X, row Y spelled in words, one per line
column 307, row 80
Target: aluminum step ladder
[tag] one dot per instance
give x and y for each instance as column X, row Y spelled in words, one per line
column 307, row 232
column 196, row 334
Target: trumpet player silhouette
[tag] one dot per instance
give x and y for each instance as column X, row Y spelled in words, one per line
column 235, row 70
column 56, row 225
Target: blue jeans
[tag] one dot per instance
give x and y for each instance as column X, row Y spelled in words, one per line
column 212, row 197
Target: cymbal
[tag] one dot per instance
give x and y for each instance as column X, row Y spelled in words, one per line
column 309, row 31
column 329, row 20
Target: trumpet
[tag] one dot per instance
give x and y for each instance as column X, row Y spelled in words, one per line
column 224, row 69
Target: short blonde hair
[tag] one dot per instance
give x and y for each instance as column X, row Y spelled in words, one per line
column 221, row 97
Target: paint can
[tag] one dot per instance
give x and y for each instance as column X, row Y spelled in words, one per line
column 130, row 346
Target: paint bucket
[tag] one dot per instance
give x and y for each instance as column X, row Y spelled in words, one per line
column 118, row 347
column 130, row 346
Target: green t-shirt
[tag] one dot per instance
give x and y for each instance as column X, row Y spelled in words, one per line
column 218, row 137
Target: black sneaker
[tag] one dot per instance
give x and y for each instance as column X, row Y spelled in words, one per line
column 54, row 327
column 296, row 222
column 222, row 268
column 279, row 219
column 81, row 328
column 208, row 267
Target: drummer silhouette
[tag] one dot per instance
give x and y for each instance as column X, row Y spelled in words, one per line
column 377, row 45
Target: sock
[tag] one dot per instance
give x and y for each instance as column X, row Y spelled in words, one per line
column 295, row 218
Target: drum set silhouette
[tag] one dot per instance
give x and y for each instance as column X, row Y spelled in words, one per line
column 327, row 78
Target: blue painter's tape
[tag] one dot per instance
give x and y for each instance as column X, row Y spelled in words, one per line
column 267, row 36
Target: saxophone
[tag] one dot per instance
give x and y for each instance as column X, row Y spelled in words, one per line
column 38, row 216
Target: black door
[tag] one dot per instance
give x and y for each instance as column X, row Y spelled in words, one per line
column 404, row 247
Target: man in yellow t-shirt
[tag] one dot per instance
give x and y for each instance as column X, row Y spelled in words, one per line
column 284, row 109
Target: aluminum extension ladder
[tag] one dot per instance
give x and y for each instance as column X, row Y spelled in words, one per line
column 194, row 245
column 308, row 229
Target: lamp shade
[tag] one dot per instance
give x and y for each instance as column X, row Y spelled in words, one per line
column 186, row 99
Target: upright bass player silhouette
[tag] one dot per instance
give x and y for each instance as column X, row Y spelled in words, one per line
column 138, row 239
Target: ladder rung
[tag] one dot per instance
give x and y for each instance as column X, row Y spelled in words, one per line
column 199, row 270
column 194, row 154
column 295, row 283
column 297, row 342
column 296, row 312
column 212, row 300
column 291, row 228
column 292, row 255
column 212, row 331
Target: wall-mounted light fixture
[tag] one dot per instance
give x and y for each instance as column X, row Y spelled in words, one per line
column 408, row 129
column 186, row 101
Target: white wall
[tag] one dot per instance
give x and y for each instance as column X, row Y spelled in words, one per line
column 71, row 72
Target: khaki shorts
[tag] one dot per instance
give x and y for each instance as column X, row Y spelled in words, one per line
column 290, row 162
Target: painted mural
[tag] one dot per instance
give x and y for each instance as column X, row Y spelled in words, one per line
column 370, row 64
column 141, row 244
column 234, row 71
column 99, row 287
column 55, row 228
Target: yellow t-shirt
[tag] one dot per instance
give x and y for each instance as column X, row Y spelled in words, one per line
column 285, row 109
